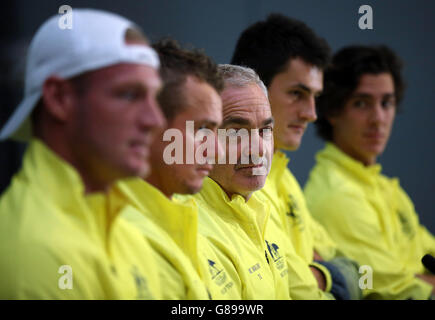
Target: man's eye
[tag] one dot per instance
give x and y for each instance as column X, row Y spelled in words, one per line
column 360, row 103
column 295, row 93
column 388, row 104
column 237, row 131
column 129, row 95
column 232, row 131
column 266, row 130
column 201, row 129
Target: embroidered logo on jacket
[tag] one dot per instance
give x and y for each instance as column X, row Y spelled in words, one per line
column 406, row 225
column 143, row 292
column 273, row 249
column 293, row 211
column 217, row 275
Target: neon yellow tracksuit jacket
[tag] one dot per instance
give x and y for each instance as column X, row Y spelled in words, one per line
column 57, row 243
column 373, row 221
column 289, row 216
column 285, row 194
column 183, row 256
column 238, row 229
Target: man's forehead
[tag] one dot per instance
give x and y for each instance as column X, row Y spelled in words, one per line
column 371, row 84
column 300, row 72
column 247, row 116
column 200, row 96
column 381, row 81
column 127, row 72
column 211, row 116
column 246, row 109
column 250, row 96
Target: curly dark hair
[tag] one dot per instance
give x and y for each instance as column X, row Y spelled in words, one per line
column 176, row 64
column 341, row 78
column 267, row 46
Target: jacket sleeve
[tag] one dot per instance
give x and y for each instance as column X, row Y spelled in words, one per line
column 323, row 243
column 428, row 240
column 353, row 224
column 344, row 278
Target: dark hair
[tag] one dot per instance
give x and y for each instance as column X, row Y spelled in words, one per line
column 176, row 65
column 267, row 46
column 342, row 77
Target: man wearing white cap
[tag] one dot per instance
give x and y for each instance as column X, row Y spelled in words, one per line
column 89, row 114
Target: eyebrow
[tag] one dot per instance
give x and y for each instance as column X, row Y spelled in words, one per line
column 305, row 88
column 136, row 85
column 207, row 122
column 366, row 95
column 245, row 122
column 268, row 121
column 235, row 120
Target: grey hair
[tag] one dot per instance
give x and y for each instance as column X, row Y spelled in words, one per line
column 238, row 76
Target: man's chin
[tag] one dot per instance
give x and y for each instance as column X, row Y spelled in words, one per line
column 193, row 189
column 374, row 152
column 255, row 183
column 289, row 145
column 142, row 171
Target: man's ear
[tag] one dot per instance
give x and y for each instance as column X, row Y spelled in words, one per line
column 59, row 98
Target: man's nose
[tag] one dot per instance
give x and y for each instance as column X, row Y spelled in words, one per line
column 215, row 153
column 377, row 114
column 308, row 110
column 255, row 149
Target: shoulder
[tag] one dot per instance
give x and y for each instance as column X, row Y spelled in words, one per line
column 35, row 264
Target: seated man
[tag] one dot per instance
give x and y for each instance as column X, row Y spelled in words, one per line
column 191, row 103
column 92, row 90
column 234, row 217
column 369, row 215
column 289, row 57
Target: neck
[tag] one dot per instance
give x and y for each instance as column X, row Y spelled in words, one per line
column 245, row 196
column 365, row 160
column 157, row 181
column 96, row 177
column 230, row 194
column 92, row 181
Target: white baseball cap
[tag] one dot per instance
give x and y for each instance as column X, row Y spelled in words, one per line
column 96, row 40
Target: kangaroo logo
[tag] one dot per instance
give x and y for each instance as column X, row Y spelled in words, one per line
column 274, row 253
column 217, row 275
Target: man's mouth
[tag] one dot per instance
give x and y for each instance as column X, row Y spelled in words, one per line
column 248, row 166
column 374, row 136
column 205, row 170
column 140, row 148
column 297, row 127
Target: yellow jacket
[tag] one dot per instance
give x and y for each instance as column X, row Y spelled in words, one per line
column 57, row 243
column 238, row 230
column 288, row 200
column 291, row 220
column 183, row 256
column 373, row 221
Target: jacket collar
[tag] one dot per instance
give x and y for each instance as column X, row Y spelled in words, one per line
column 365, row 173
column 55, row 178
column 178, row 218
column 279, row 165
column 246, row 213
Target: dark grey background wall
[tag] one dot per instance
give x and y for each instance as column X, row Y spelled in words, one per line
column 407, row 26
